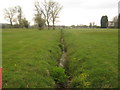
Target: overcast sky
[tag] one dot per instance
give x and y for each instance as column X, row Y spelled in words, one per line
column 74, row 12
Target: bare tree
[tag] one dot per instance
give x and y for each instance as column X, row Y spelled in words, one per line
column 9, row 14
column 38, row 8
column 48, row 10
column 55, row 9
column 43, row 10
column 90, row 25
column 19, row 12
column 39, row 21
column 93, row 24
column 24, row 23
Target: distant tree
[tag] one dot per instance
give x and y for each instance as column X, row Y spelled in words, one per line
column 19, row 16
column 90, row 25
column 48, row 10
column 55, row 9
column 43, row 9
column 104, row 22
column 73, row 26
column 93, row 24
column 115, row 21
column 24, row 23
column 39, row 21
column 9, row 14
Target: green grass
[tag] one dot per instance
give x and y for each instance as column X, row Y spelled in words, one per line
column 92, row 57
column 29, row 56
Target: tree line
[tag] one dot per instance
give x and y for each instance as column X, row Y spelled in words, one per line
column 46, row 12
column 115, row 23
column 15, row 15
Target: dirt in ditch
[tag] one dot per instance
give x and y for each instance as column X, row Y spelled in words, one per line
column 63, row 61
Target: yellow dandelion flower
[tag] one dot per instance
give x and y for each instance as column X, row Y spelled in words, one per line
column 15, row 65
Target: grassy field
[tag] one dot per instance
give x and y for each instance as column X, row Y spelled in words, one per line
column 92, row 57
column 29, row 56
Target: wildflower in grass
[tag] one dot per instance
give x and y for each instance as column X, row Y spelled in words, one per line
column 79, row 59
column 86, row 84
column 74, row 58
column 47, row 72
column 27, row 86
column 80, row 81
column 83, row 76
column 15, row 65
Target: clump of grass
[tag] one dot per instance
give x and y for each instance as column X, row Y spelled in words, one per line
column 58, row 74
column 80, row 81
column 60, row 45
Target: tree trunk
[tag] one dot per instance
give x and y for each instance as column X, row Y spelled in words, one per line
column 53, row 24
column 48, row 24
column 11, row 22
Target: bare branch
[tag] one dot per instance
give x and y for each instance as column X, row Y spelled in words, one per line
column 55, row 9
column 9, row 14
column 49, row 10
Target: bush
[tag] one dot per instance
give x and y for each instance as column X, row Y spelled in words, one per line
column 59, row 75
column 60, row 45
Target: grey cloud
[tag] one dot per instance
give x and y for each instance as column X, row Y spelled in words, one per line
column 103, row 5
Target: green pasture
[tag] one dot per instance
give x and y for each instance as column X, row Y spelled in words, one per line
column 30, row 58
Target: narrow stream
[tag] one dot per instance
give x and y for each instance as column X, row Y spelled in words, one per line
column 63, row 57
column 62, row 60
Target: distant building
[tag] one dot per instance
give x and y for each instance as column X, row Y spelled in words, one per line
column 111, row 24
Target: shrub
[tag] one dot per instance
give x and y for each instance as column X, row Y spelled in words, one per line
column 60, row 45
column 58, row 74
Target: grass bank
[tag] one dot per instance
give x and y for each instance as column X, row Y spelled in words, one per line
column 29, row 57
column 92, row 58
